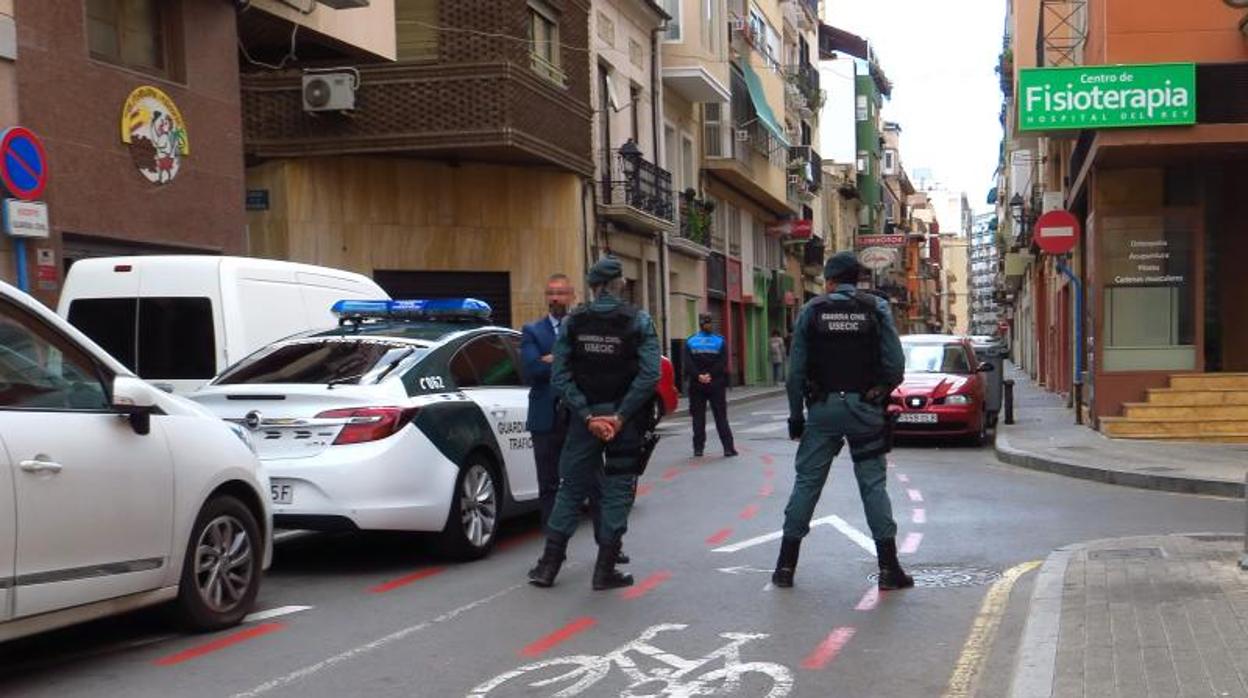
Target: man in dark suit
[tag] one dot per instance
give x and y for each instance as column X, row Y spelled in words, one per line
column 546, row 422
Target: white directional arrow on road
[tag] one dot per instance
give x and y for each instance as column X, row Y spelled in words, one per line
column 741, row 569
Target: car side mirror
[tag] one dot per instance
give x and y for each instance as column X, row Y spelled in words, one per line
column 986, row 367
column 136, row 399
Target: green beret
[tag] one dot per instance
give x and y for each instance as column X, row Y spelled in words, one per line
column 604, row 270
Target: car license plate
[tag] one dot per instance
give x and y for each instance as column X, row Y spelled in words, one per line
column 282, row 492
column 917, row 418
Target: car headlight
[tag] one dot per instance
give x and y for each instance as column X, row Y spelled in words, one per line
column 958, row 400
column 244, row 436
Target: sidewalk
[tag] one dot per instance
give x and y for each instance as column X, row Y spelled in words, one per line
column 736, row 396
column 1146, row 616
column 1045, row 437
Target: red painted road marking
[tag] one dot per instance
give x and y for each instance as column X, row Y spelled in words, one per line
column 408, row 579
column 768, row 460
column 828, row 649
column 517, row 541
column 911, row 543
column 902, row 477
column 918, row 516
column 766, row 490
column 220, row 644
column 915, row 495
column 769, row 473
column 671, row 473
column 643, row 490
column 646, row 585
column 720, row 536
column 541, row 646
column 749, row 512
column 870, row 600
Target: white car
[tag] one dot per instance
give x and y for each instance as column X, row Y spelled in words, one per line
column 410, row 416
column 113, row 494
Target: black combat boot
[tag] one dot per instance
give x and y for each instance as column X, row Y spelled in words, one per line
column 786, row 564
column 543, row 574
column 605, row 574
column 891, row 574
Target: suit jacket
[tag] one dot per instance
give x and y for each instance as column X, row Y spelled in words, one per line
column 538, row 340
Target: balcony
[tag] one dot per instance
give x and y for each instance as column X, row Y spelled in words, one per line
column 501, row 110
column 693, row 237
column 805, row 173
column 802, row 82
column 814, row 254
column 638, row 193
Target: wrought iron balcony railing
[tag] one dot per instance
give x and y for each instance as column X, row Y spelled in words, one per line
column 805, row 77
column 639, row 184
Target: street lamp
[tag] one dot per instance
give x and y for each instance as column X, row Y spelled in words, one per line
column 1017, row 208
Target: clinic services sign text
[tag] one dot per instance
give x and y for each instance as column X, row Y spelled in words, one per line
column 1107, row 96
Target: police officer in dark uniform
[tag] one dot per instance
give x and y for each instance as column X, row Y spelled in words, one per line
column 846, row 361
column 606, row 367
column 706, row 356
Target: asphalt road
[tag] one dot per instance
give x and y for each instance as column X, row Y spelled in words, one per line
column 375, row 615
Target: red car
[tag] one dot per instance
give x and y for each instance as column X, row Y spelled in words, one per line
column 943, row 391
column 667, row 387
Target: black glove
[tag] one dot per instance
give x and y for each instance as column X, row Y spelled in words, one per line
column 877, row 395
column 797, row 426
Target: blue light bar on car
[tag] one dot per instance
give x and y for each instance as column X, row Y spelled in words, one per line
column 430, row 308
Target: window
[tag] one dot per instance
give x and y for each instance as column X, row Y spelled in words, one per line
column 936, row 358
column 485, row 362
column 864, row 163
column 890, row 162
column 157, row 338
column 42, row 370
column 671, row 157
column 131, row 33
column 689, row 170
column 544, row 41
column 712, row 26
column 672, row 8
column 634, row 108
column 734, row 232
column 713, row 118
column 863, row 113
column 322, row 362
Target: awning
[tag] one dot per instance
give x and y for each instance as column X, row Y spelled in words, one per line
column 992, row 195
column 761, row 110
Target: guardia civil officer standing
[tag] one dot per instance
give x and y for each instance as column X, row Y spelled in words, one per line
column 606, row 367
column 845, row 362
column 706, row 356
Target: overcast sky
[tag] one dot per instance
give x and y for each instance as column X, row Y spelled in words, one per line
column 940, row 56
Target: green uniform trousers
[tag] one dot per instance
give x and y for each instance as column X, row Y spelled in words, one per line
column 580, row 471
column 841, row 417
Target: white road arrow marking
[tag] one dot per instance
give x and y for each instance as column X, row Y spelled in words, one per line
column 863, row 540
column 274, row 613
column 742, row 569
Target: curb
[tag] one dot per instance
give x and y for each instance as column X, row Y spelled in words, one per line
column 754, row 397
column 1148, row 481
column 1036, row 664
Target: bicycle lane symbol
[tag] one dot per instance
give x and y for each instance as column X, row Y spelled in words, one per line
column 671, row 676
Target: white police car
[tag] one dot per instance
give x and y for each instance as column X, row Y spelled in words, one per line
column 409, row 416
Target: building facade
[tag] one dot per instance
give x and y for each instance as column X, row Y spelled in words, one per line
column 985, row 260
column 1157, row 201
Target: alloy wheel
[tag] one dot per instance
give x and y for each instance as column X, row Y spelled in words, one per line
column 224, row 563
column 478, row 506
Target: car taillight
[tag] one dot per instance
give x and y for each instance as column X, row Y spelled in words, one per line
column 366, row 424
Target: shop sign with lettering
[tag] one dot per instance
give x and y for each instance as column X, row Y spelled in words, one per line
column 1107, row 96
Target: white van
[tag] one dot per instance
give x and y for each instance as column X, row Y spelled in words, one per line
column 180, row 320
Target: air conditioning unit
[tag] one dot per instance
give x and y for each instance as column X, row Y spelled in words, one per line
column 736, row 24
column 329, row 91
column 795, row 180
column 743, row 135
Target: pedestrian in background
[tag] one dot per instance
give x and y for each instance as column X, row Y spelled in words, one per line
column 778, row 353
column 706, row 355
column 605, row 369
column 846, row 362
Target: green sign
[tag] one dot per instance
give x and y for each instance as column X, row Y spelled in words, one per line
column 1107, row 96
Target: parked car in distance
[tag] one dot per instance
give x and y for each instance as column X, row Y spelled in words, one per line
column 943, row 391
column 180, row 320
column 113, row 494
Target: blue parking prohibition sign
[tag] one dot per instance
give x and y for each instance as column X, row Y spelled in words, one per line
column 23, row 164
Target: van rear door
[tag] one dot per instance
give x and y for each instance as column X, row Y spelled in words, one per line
column 181, row 334
column 101, row 299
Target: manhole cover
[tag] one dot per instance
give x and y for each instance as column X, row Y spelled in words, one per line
column 1124, row 553
column 949, row 576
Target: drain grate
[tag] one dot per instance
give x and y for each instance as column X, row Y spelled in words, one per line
column 949, row 576
column 1124, row 553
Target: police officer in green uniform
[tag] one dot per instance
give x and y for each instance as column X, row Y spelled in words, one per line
column 606, row 367
column 845, row 362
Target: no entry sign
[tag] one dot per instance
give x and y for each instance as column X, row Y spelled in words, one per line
column 23, row 164
column 1057, row 232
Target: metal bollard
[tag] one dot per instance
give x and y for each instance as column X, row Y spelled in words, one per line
column 1009, row 401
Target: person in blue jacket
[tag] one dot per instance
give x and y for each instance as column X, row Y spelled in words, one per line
column 706, row 361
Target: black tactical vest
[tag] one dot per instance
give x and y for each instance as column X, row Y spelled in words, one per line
column 843, row 343
column 605, row 348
